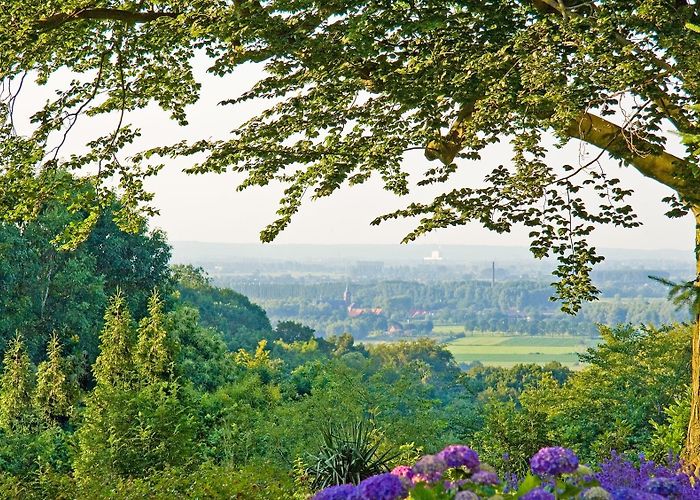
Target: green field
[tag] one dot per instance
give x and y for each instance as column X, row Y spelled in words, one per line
column 510, row 350
column 447, row 329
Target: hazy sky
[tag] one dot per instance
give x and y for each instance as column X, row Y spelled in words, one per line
column 208, row 208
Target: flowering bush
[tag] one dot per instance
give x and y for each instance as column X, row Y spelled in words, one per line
column 381, row 487
column 647, row 480
column 538, row 494
column 459, row 455
column 456, row 473
column 554, row 461
column 340, row 492
column 429, row 469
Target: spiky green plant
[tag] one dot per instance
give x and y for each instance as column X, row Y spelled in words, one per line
column 55, row 392
column 154, row 351
column 350, row 452
column 16, row 387
column 114, row 366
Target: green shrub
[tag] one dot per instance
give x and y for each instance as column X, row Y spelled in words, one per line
column 254, row 481
column 132, row 433
column 669, row 437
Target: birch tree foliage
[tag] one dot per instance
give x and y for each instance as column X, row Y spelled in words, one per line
column 355, row 84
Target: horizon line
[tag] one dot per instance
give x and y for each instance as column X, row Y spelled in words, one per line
column 407, row 245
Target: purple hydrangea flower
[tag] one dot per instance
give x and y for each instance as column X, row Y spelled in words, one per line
column 380, row 487
column 618, row 472
column 458, row 455
column 554, row 461
column 632, row 494
column 466, row 495
column 665, row 486
column 486, row 478
column 453, row 485
column 429, row 469
column 342, row 492
column 537, row 494
column 511, row 481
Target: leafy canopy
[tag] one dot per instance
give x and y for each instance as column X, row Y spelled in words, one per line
column 353, row 85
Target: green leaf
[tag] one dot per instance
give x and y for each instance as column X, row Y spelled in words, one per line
column 529, row 483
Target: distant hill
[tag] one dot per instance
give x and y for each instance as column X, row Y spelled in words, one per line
column 194, row 252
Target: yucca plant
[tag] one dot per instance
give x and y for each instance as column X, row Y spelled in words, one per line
column 350, row 452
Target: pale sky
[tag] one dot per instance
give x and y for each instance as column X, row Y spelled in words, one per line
column 208, row 207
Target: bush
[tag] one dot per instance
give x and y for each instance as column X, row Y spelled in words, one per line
column 24, row 455
column 253, row 481
column 668, row 437
column 132, row 433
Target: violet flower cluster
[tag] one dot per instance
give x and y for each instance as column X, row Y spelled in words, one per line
column 457, row 473
column 538, row 494
column 648, row 480
column 554, row 461
column 458, row 455
column 379, row 487
column 429, row 470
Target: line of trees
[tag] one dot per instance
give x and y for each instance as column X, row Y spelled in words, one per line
column 521, row 307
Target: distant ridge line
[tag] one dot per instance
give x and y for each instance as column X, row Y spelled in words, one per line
column 195, row 251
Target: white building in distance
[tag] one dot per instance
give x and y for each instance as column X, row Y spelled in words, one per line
column 434, row 255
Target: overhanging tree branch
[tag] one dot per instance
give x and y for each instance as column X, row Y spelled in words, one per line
column 661, row 166
column 449, row 146
column 646, row 157
column 103, row 14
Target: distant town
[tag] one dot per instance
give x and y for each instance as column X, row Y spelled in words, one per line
column 393, row 292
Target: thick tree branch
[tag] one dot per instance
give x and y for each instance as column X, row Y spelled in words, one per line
column 658, row 165
column 61, row 18
column 449, row 146
column 644, row 156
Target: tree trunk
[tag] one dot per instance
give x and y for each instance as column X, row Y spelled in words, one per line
column 691, row 454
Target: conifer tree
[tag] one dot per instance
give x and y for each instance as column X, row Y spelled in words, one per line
column 55, row 393
column 114, row 365
column 154, row 353
column 16, row 386
column 136, row 420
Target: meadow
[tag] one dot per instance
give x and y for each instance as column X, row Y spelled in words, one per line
column 448, row 329
column 507, row 351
